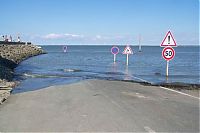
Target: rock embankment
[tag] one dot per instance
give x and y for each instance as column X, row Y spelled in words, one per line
column 10, row 56
column 5, row 89
column 18, row 53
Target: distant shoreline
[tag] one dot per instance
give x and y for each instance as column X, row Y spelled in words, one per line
column 13, row 43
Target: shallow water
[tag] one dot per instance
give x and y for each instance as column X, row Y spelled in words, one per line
column 96, row 62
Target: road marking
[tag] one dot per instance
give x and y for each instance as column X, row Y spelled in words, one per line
column 179, row 92
column 134, row 94
column 149, row 130
column 140, row 95
column 169, row 89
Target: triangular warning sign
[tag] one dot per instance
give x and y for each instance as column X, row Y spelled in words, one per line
column 127, row 50
column 168, row 40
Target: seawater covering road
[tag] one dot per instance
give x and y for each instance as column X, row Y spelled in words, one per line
column 98, row 105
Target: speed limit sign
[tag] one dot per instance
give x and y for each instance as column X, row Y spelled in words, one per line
column 168, row 53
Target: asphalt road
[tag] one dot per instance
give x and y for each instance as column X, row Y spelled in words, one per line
column 97, row 105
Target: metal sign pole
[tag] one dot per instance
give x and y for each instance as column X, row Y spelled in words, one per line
column 127, row 59
column 114, row 57
column 167, row 69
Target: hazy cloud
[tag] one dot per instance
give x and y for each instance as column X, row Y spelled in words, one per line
column 61, row 36
column 77, row 38
column 153, row 38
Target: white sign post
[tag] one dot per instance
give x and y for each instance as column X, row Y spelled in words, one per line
column 127, row 59
column 167, row 69
column 114, row 51
column 127, row 51
column 168, row 52
column 114, row 58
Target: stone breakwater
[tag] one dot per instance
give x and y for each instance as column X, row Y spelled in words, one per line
column 18, row 53
column 10, row 57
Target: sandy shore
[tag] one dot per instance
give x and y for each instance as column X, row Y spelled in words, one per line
column 98, row 105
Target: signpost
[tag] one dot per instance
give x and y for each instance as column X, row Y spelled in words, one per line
column 127, row 51
column 114, row 51
column 168, row 52
column 65, row 49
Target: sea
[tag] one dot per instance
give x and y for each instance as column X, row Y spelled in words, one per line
column 74, row 63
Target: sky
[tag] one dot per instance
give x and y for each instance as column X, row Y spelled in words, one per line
column 100, row 21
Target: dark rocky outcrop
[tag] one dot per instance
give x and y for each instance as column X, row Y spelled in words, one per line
column 10, row 56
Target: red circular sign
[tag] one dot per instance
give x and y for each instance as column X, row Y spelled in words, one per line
column 114, row 50
column 168, row 53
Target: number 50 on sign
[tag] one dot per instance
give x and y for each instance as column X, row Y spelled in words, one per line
column 168, row 53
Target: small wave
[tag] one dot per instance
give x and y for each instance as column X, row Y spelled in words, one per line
column 114, row 73
column 41, row 76
column 71, row 70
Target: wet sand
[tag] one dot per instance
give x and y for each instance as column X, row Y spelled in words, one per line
column 100, row 105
